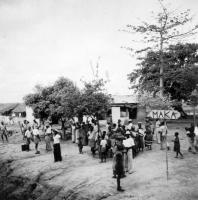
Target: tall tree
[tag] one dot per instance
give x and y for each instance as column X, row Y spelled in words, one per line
column 167, row 26
column 180, row 74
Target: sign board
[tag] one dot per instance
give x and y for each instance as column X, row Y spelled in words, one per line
column 164, row 114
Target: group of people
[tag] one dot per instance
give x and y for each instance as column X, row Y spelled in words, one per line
column 124, row 142
column 118, row 141
column 32, row 133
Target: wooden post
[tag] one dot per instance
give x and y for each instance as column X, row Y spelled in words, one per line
column 166, row 154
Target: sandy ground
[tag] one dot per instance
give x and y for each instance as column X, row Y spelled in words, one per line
column 25, row 175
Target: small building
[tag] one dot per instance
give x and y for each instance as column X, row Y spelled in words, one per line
column 15, row 112
column 19, row 110
column 124, row 107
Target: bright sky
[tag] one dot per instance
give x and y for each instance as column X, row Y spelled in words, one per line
column 41, row 40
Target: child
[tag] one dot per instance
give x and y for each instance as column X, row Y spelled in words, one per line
column 103, row 145
column 80, row 145
column 119, row 168
column 177, row 145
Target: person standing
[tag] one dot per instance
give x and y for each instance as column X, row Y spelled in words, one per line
column 73, row 132
column 119, row 168
column 177, row 145
column 4, row 131
column 141, row 136
column 80, row 145
column 103, row 146
column 56, row 146
column 157, row 133
column 36, row 138
column 163, row 134
column 77, row 131
column 148, row 139
column 91, row 138
column 196, row 136
column 191, row 138
column 48, row 133
column 128, row 144
column 28, row 135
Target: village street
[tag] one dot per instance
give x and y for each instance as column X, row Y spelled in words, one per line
column 30, row 176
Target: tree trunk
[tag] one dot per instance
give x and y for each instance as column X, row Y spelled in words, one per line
column 63, row 129
column 161, row 69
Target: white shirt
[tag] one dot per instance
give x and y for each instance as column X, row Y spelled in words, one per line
column 196, row 131
column 163, row 129
column 130, row 125
column 28, row 134
column 57, row 139
column 49, row 130
column 35, row 132
column 157, row 124
column 103, row 143
column 128, row 142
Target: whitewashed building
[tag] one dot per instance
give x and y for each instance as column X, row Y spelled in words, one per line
column 124, row 107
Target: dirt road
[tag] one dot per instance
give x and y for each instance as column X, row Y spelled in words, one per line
column 25, row 175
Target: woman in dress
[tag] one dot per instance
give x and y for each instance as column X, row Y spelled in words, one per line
column 48, row 133
column 92, row 142
column 36, row 138
column 57, row 148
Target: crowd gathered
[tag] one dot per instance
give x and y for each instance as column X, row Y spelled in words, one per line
column 31, row 133
column 118, row 141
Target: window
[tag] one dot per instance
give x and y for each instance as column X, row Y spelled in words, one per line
column 123, row 112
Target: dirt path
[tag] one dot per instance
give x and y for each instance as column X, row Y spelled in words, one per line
column 30, row 176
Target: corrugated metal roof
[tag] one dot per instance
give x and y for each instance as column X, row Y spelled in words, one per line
column 117, row 99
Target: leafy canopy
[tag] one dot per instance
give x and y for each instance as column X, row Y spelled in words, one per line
column 180, row 72
column 63, row 100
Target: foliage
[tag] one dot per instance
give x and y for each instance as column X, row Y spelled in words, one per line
column 180, row 74
column 57, row 101
column 167, row 27
column 94, row 100
column 164, row 28
column 149, row 101
column 63, row 100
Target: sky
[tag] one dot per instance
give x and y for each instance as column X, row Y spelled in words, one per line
column 42, row 40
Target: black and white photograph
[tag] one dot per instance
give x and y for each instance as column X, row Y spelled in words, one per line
column 98, row 100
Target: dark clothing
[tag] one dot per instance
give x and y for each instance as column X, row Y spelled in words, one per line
column 176, row 144
column 103, row 155
column 57, row 152
column 191, row 134
column 80, row 145
column 148, row 139
column 177, row 147
column 119, row 168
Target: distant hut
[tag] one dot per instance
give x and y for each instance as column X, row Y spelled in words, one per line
column 7, row 108
column 19, row 110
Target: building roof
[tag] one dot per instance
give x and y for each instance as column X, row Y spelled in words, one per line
column 124, row 99
column 7, row 107
column 20, row 108
column 12, row 107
